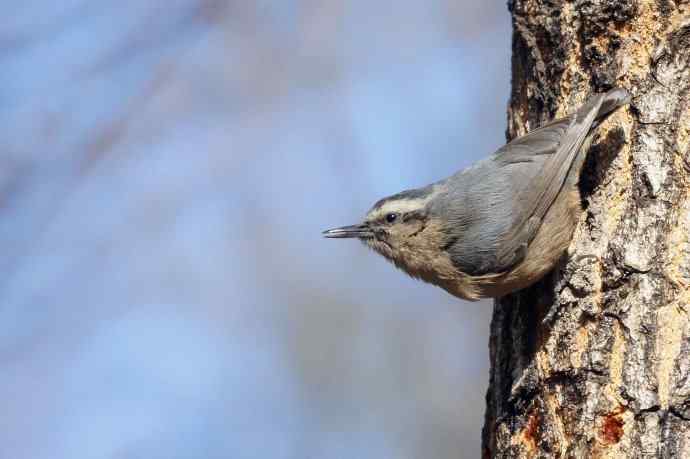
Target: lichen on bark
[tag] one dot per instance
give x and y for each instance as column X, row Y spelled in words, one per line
column 594, row 360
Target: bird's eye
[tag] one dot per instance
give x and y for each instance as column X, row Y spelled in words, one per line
column 391, row 217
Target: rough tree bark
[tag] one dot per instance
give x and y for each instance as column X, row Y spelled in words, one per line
column 594, row 361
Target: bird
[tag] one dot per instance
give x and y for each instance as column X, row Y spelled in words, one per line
column 501, row 224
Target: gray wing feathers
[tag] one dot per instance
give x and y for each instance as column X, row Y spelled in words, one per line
column 541, row 141
column 561, row 140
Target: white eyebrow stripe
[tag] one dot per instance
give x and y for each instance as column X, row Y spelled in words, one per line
column 401, row 206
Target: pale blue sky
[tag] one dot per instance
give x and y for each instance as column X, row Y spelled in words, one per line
column 167, row 169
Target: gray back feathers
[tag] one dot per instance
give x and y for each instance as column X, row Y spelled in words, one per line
column 493, row 210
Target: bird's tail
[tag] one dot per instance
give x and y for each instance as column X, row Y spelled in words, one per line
column 615, row 98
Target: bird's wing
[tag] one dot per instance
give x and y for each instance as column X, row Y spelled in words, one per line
column 534, row 145
column 556, row 147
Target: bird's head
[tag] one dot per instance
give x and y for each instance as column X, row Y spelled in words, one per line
column 397, row 228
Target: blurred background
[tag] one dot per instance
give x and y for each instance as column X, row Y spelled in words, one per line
column 167, row 167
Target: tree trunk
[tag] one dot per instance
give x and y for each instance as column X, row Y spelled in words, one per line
column 594, row 360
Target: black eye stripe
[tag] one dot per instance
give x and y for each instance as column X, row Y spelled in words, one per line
column 414, row 215
column 394, row 217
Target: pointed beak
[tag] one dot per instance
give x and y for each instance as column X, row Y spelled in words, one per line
column 360, row 231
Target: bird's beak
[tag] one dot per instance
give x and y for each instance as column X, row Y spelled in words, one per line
column 360, row 231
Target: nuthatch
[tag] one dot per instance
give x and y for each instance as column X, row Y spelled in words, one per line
column 499, row 225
